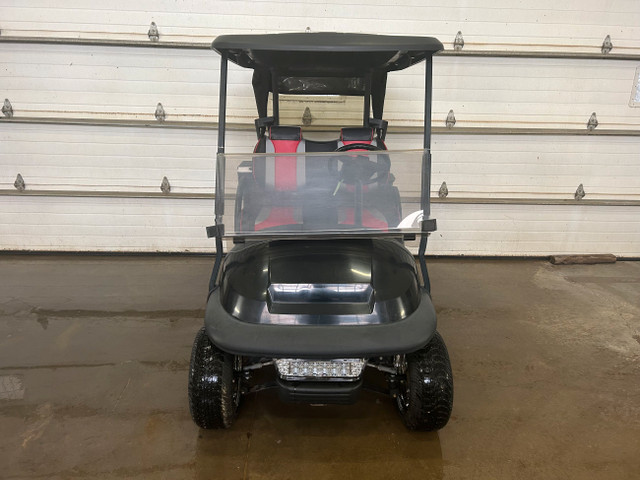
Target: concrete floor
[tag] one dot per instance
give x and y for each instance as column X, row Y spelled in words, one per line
column 94, row 354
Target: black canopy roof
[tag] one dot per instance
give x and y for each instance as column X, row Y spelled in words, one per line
column 325, row 63
column 326, row 53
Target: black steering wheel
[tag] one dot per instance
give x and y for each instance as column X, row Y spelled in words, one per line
column 357, row 146
column 358, row 168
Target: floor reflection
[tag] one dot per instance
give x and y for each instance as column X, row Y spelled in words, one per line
column 271, row 439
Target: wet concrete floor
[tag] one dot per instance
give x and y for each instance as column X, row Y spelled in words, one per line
column 94, row 354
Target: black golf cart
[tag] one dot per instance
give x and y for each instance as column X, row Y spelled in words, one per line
column 319, row 288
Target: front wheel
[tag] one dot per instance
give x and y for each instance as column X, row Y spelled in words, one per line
column 426, row 392
column 214, row 385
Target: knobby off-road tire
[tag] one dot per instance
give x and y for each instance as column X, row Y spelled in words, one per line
column 213, row 385
column 426, row 399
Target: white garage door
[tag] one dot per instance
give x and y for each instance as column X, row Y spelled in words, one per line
column 84, row 82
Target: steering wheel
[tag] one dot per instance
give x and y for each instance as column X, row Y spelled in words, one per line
column 357, row 146
column 358, row 168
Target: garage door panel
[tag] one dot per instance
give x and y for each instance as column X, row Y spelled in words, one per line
column 486, row 24
column 506, row 193
column 538, row 230
column 83, row 158
column 120, row 83
column 532, row 167
column 76, row 158
column 105, row 224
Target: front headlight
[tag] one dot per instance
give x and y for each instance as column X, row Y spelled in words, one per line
column 338, row 369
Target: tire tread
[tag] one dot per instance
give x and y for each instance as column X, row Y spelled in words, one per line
column 211, row 376
column 431, row 387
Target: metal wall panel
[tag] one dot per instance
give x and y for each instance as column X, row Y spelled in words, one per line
column 577, row 25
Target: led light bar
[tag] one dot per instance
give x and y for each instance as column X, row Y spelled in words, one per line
column 338, row 369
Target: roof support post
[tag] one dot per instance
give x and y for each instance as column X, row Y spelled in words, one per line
column 222, row 110
column 367, row 100
column 220, row 168
column 426, row 157
column 425, row 197
column 428, row 74
column 220, row 160
column 275, row 98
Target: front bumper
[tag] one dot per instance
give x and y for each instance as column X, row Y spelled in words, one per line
column 319, row 341
column 341, row 393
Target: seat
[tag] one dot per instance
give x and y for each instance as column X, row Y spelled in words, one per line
column 351, row 135
column 284, row 173
column 274, row 177
column 281, row 139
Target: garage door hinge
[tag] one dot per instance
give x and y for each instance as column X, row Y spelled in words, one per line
column 607, row 46
column 444, row 191
column 458, row 43
column 580, row 193
column 19, row 183
column 7, row 109
column 451, row 119
column 307, row 118
column 160, row 115
column 153, row 33
column 593, row 122
column 165, row 186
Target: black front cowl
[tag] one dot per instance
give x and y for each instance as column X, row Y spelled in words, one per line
column 320, row 282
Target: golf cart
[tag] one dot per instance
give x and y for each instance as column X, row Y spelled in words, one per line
column 318, row 288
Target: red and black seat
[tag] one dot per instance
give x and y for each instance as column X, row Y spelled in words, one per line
column 281, row 139
column 366, row 135
column 278, row 178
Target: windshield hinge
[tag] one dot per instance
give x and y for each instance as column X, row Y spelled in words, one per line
column 215, row 231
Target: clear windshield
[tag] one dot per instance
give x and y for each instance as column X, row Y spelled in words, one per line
column 349, row 193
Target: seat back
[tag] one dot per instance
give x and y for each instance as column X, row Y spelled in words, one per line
column 351, row 135
column 279, row 173
column 283, row 139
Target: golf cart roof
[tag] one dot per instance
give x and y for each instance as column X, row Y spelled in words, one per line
column 323, row 63
column 325, row 53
